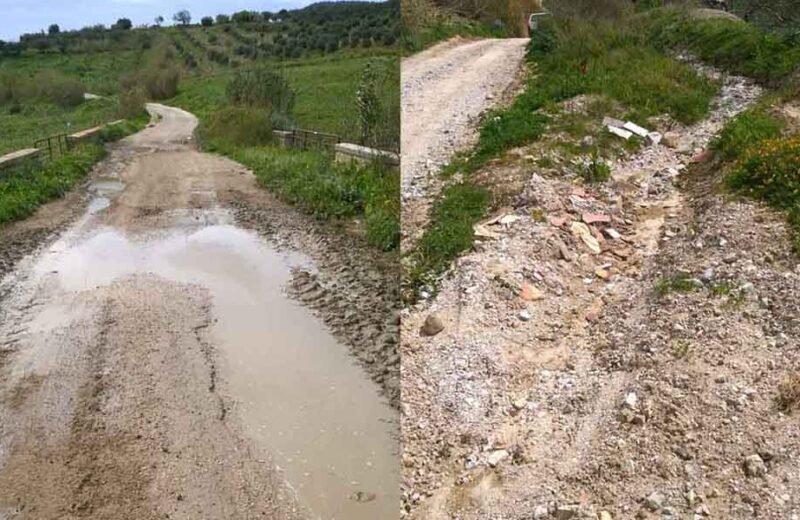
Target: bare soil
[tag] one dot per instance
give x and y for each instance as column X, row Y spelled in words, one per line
column 572, row 383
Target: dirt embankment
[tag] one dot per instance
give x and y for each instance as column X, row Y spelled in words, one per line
column 445, row 90
column 575, row 378
column 112, row 403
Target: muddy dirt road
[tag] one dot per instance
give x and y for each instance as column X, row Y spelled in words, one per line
column 152, row 364
column 572, row 381
column 444, row 90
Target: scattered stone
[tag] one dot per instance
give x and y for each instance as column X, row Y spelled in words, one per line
column 540, row 511
column 362, row 496
column 496, row 457
column 594, row 218
column 530, row 293
column 619, row 132
column 631, row 400
column 754, row 466
column 730, row 258
column 654, row 501
column 567, row 512
column 671, row 139
column 654, row 138
column 601, row 273
column 636, row 129
column 605, row 515
column 611, row 121
column 433, row 325
column 612, row 233
column 525, row 315
column 582, row 231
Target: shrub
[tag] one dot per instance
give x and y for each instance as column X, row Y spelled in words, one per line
column 59, row 89
column 160, row 76
column 261, row 87
column 746, row 130
column 237, row 126
column 206, row 21
column 131, row 102
column 771, row 172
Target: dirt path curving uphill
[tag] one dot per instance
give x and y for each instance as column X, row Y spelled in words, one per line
column 153, row 366
column 445, row 89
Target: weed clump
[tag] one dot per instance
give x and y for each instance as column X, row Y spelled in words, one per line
column 771, row 172
column 160, row 76
column 747, row 130
column 237, row 126
column 262, row 87
column 450, row 233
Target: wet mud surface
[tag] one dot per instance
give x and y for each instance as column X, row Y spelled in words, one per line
column 172, row 355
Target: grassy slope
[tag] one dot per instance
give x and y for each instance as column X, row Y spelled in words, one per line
column 99, row 72
column 325, row 88
column 29, row 185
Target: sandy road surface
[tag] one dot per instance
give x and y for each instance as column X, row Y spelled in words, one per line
column 116, row 398
column 444, row 91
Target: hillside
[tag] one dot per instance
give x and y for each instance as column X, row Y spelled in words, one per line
column 329, row 40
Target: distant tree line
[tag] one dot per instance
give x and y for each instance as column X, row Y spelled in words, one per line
column 322, row 27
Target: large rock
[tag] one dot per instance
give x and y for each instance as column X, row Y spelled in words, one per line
column 433, row 325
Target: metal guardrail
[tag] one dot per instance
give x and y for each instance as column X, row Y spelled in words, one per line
column 309, row 139
column 54, row 145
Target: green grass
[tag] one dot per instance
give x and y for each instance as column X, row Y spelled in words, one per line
column 580, row 57
column 98, row 71
column 25, row 188
column 677, row 283
column 444, row 29
column 37, row 120
column 329, row 190
column 747, row 130
column 734, row 46
column 450, row 233
column 325, row 91
column 771, row 172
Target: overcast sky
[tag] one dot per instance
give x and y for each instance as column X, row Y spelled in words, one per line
column 25, row 16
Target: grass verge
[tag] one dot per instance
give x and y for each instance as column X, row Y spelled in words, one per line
column 573, row 57
column 24, row 188
column 732, row 45
column 450, row 233
column 769, row 172
column 329, row 190
column 747, row 130
column 29, row 185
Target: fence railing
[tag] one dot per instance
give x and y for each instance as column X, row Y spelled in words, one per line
column 54, row 145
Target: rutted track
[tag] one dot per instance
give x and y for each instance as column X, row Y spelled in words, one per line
column 116, row 400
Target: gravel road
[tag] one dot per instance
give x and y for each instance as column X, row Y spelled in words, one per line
column 445, row 89
column 127, row 344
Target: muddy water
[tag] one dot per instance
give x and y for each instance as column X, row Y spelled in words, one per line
column 296, row 389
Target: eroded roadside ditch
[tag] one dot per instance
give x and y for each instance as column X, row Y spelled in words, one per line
column 280, row 371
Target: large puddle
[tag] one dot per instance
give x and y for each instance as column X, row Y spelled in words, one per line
column 299, row 393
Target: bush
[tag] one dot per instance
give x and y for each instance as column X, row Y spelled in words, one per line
column 206, row 21
column 771, row 172
column 160, row 76
column 131, row 102
column 237, row 126
column 261, row 87
column 57, row 88
column 745, row 131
